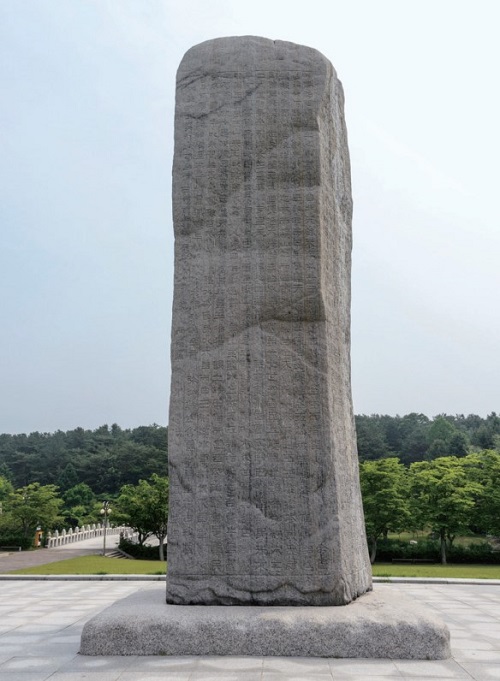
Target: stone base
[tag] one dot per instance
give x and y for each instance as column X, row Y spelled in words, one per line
column 374, row 626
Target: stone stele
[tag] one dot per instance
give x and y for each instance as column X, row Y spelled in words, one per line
column 265, row 505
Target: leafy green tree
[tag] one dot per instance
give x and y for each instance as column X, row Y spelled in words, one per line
column 414, row 441
column 384, row 488
column 440, row 435
column 5, row 472
column 10, row 534
column 372, row 443
column 484, row 468
column 153, row 436
column 484, row 437
column 493, row 421
column 79, row 505
column 33, row 506
column 437, row 449
column 79, row 495
column 441, row 428
column 459, row 444
column 444, row 497
column 145, row 508
column 132, row 508
column 22, row 462
column 77, row 439
column 6, row 489
column 133, row 459
column 68, row 478
column 158, row 500
column 116, row 431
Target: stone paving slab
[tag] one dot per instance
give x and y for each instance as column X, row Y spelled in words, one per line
column 162, row 578
column 476, row 655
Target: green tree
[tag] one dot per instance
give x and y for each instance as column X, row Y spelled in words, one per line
column 370, row 435
column 79, row 505
column 158, row 501
column 414, row 441
column 132, row 508
column 35, row 506
column 458, row 445
column 68, row 478
column 79, row 495
column 5, row 472
column 145, row 508
column 440, row 435
column 443, row 497
column 437, row 449
column 384, row 488
column 484, row 437
column 484, row 468
column 6, row 488
column 153, row 436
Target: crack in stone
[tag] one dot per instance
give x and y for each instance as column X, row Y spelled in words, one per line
column 191, row 78
column 233, row 102
column 173, row 467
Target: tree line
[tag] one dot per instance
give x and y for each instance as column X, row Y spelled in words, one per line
column 109, row 457
column 416, row 437
column 105, row 459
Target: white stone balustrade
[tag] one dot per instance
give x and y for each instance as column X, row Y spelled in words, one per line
column 70, row 536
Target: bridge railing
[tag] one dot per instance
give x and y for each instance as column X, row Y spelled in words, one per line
column 77, row 534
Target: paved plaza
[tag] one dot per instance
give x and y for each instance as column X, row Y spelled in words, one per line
column 41, row 623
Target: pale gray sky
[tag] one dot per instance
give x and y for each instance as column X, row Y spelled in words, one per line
column 86, row 128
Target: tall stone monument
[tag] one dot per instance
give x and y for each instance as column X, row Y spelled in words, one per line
column 265, row 506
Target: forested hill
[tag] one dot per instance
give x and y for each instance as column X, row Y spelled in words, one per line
column 109, row 457
column 416, row 437
column 105, row 458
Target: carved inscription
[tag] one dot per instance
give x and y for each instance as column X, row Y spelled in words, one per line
column 265, row 503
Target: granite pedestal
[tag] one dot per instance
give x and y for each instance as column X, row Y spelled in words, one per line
column 374, row 626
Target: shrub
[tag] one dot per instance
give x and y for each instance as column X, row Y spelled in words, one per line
column 140, row 552
column 475, row 553
column 14, row 539
column 389, row 549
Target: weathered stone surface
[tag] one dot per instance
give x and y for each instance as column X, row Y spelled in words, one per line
column 375, row 626
column 264, row 497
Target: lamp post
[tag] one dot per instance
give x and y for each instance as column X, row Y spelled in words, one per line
column 105, row 512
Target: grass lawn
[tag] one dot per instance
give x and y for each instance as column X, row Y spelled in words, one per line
column 96, row 565
column 458, row 571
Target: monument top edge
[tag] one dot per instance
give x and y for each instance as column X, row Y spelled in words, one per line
column 248, row 54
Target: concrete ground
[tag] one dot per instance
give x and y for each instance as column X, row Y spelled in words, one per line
column 41, row 622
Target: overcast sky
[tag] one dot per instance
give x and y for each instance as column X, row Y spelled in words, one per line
column 86, row 258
